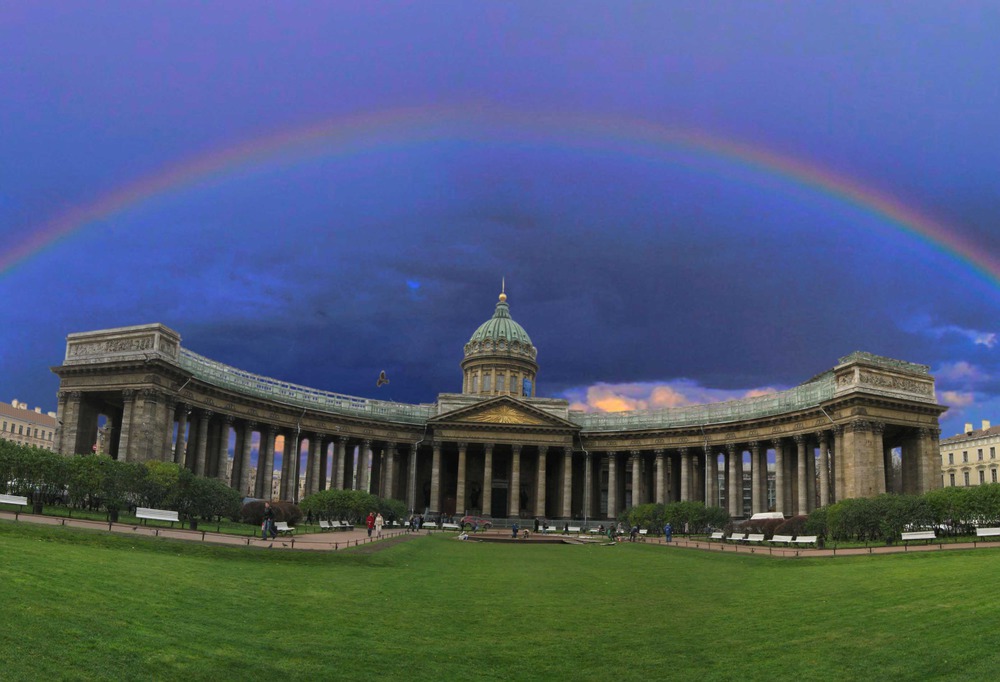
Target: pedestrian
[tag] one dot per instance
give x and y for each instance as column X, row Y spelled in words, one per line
column 370, row 522
column 634, row 533
column 513, row 530
column 379, row 522
column 267, row 526
column 668, row 533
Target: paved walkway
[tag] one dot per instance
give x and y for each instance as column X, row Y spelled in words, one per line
column 304, row 539
column 308, row 539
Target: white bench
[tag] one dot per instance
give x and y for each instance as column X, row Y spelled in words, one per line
column 283, row 528
column 14, row 499
column 918, row 535
column 325, row 525
column 737, row 537
column 805, row 539
column 987, row 532
column 145, row 514
column 787, row 539
column 755, row 537
column 341, row 525
column 450, row 526
column 717, row 536
column 574, row 529
column 643, row 531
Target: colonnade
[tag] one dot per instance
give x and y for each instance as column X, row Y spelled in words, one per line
column 791, row 474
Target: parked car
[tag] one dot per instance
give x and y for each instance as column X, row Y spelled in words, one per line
column 480, row 522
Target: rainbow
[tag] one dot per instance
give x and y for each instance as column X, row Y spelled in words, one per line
column 356, row 133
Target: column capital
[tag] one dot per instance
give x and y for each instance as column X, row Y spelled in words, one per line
column 516, row 448
column 251, row 425
column 731, row 449
column 634, row 454
column 799, row 439
column 754, row 445
column 659, row 452
column 230, row 419
column 683, row 451
column 612, row 454
column 462, row 445
column 127, row 393
column 776, row 443
column 542, row 449
column 878, row 428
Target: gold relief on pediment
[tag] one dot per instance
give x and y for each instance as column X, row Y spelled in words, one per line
column 504, row 414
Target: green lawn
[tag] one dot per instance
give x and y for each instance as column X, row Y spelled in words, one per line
column 89, row 605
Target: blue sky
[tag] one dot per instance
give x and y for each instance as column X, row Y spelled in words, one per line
column 646, row 274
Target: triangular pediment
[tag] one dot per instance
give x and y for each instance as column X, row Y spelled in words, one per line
column 503, row 411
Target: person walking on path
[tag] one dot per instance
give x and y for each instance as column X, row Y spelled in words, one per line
column 379, row 522
column 668, row 533
column 267, row 527
column 370, row 522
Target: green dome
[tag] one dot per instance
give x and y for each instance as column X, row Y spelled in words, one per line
column 500, row 334
column 501, row 327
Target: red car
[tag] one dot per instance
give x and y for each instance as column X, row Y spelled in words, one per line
column 478, row 522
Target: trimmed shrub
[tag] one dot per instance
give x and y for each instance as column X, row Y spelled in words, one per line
column 793, row 526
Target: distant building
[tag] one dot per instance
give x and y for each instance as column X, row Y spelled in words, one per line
column 970, row 458
column 29, row 427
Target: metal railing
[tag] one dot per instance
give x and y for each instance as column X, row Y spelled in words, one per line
column 225, row 376
column 798, row 398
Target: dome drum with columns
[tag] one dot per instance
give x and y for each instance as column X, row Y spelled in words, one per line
column 495, row 449
column 499, row 357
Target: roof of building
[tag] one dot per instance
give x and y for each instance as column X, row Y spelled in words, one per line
column 972, row 435
column 501, row 327
column 40, row 418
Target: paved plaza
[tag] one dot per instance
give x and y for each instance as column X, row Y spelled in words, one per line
column 307, row 539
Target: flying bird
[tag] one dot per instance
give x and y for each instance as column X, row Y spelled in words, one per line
column 381, row 379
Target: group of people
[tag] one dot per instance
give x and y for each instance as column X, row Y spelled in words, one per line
column 374, row 522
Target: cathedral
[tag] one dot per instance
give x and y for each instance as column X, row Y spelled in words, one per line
column 497, row 449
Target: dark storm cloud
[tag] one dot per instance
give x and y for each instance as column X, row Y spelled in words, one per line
column 645, row 275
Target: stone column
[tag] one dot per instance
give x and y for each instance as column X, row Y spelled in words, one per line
column 877, row 462
column 243, row 482
column 129, row 434
column 837, row 465
column 758, row 476
column 801, row 470
column 810, row 476
column 390, row 471
column 341, row 449
column 61, row 399
column 366, row 462
column 488, row 479
column 169, row 417
column 180, row 445
column 779, row 476
column 661, row 477
column 515, row 481
column 436, row 478
column 711, row 477
column 929, row 453
column 824, row 469
column 314, row 462
column 588, row 466
column 411, row 484
column 685, row 482
column 291, row 443
column 636, row 478
column 201, row 457
column 612, row 485
column 540, row 482
column 734, row 456
column 460, row 484
column 223, row 457
column 567, row 483
column 262, row 487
